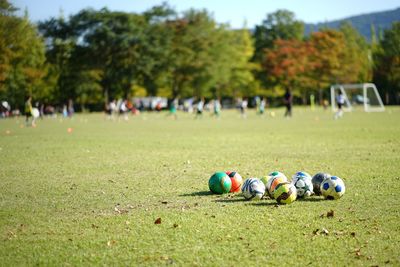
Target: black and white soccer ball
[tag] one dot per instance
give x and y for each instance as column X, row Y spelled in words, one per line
column 317, row 180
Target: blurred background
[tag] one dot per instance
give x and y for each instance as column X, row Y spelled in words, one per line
column 89, row 53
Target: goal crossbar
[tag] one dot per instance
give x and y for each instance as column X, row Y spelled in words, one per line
column 364, row 87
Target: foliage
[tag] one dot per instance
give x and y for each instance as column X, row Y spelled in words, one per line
column 387, row 64
column 22, row 57
column 98, row 55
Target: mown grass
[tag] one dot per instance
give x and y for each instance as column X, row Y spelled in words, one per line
column 91, row 197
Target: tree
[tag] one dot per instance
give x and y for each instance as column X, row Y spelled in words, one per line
column 387, row 67
column 281, row 24
column 288, row 64
column 356, row 62
column 242, row 81
column 329, row 50
column 22, row 57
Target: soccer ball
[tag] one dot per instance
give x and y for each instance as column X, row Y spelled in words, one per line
column 35, row 113
column 274, row 178
column 236, row 180
column 285, row 193
column 317, row 180
column 333, row 188
column 253, row 189
column 303, row 184
column 219, row 183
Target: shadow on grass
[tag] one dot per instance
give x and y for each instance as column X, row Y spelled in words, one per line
column 196, row 194
column 230, row 200
column 311, row 199
column 263, row 203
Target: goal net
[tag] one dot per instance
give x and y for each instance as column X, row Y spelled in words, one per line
column 357, row 96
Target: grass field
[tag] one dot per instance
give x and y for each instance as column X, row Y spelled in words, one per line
column 92, row 196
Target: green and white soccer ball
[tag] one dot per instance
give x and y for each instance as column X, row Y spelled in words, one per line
column 302, row 182
column 333, row 188
column 253, row 189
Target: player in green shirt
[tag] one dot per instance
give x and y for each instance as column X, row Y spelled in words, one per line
column 28, row 111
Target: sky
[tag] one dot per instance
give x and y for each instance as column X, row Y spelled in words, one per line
column 235, row 12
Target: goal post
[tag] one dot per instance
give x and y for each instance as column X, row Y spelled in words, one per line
column 364, row 95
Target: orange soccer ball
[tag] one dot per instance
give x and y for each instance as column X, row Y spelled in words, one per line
column 236, row 180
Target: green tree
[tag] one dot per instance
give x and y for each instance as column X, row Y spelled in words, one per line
column 326, row 61
column 356, row 61
column 281, row 24
column 387, row 65
column 242, row 81
column 22, row 57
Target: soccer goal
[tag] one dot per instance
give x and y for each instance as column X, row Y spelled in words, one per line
column 357, row 96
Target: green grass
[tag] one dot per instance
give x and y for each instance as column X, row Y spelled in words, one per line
column 91, row 197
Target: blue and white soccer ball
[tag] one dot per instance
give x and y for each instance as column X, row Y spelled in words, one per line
column 302, row 182
column 333, row 188
column 253, row 189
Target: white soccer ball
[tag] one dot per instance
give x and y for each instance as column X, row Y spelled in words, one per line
column 333, row 188
column 253, row 189
column 35, row 113
column 274, row 179
column 303, row 183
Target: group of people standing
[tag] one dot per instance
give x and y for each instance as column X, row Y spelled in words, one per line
column 123, row 107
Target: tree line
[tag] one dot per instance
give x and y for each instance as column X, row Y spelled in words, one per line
column 98, row 55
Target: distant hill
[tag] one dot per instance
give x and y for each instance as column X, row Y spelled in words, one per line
column 381, row 20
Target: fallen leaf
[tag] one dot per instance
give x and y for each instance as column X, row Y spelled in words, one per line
column 11, row 235
column 324, row 231
column 330, row 213
column 158, row 221
column 111, row 242
column 338, row 232
column 117, row 209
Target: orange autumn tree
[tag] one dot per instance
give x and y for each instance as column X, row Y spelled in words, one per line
column 312, row 65
column 329, row 47
column 288, row 64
